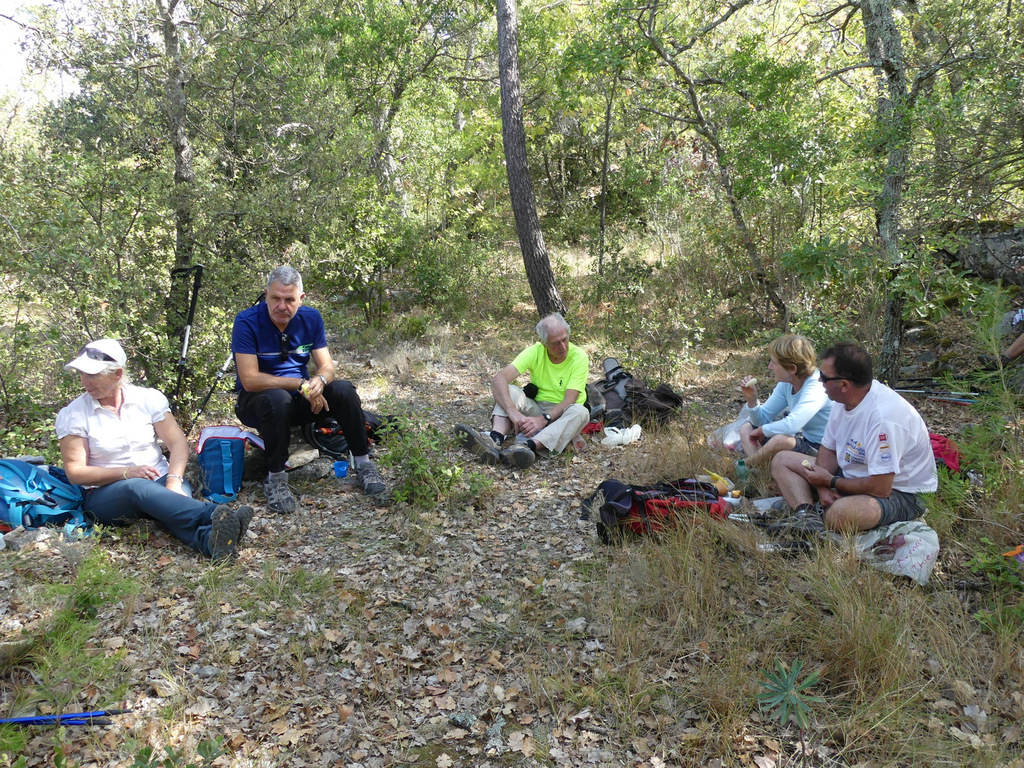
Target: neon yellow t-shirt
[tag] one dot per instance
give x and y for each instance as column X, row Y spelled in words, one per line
column 552, row 380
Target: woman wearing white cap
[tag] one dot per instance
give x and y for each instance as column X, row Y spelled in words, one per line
column 108, row 439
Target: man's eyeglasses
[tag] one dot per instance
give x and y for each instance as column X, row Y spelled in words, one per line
column 826, row 379
column 95, row 354
column 286, row 346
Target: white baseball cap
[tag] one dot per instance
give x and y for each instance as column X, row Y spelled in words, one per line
column 97, row 355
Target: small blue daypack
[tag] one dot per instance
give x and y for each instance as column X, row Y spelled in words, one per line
column 36, row 496
column 222, row 462
column 221, row 456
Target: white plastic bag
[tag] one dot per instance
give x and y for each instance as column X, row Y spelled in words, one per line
column 905, row 549
column 728, row 437
column 624, row 436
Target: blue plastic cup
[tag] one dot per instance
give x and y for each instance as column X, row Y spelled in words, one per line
column 340, row 468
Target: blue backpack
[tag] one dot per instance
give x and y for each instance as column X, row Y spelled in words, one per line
column 221, row 456
column 222, row 462
column 35, row 496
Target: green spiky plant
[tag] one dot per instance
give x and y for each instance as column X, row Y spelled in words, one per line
column 786, row 697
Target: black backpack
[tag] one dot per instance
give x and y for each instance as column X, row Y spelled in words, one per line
column 629, row 400
column 326, row 434
column 624, row 509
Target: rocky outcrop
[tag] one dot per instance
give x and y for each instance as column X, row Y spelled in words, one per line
column 992, row 253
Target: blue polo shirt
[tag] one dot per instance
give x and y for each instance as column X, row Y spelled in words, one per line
column 279, row 354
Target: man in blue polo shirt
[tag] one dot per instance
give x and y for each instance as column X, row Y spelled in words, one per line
column 273, row 343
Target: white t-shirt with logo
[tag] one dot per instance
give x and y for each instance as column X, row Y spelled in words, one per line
column 883, row 435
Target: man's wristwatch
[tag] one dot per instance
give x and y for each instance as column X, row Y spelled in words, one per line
column 322, row 378
column 547, row 417
column 832, row 484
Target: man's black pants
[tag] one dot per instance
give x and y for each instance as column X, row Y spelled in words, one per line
column 274, row 412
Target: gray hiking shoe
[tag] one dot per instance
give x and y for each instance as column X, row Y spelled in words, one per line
column 244, row 514
column 518, row 455
column 280, row 499
column 808, row 519
column 370, row 480
column 477, row 443
column 224, row 533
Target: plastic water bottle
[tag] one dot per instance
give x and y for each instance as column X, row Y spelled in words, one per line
column 742, row 471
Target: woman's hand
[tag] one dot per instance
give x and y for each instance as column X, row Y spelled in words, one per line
column 748, row 386
column 173, row 483
column 140, row 470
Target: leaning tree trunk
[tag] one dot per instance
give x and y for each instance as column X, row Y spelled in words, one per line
column 184, row 172
column 885, row 48
column 524, row 205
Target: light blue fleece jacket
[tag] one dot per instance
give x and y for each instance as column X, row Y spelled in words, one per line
column 808, row 410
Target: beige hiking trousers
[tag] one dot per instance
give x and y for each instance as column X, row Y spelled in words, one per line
column 559, row 433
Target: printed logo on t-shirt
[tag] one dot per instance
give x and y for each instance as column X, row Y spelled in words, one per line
column 855, row 453
column 882, row 437
column 303, row 349
column 885, row 456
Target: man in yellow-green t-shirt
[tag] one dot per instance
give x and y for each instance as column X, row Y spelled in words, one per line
column 545, row 415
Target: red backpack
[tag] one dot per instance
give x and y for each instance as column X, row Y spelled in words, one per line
column 646, row 509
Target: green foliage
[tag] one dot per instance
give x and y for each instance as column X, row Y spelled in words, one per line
column 59, row 655
column 417, row 452
column 1006, row 575
column 785, row 695
column 208, row 750
column 655, row 317
column 447, row 270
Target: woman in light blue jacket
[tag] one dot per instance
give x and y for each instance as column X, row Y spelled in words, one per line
column 793, row 417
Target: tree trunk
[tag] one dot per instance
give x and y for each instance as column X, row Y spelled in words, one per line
column 524, row 205
column 184, row 172
column 885, row 47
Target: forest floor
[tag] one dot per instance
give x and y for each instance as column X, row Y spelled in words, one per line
column 351, row 634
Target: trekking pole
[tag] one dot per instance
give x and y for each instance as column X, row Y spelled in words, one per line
column 220, row 375
column 963, row 398
column 68, row 718
column 197, row 272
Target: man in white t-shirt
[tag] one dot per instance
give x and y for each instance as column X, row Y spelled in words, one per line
column 875, row 458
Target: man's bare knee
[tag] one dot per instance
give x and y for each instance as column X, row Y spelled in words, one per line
column 853, row 513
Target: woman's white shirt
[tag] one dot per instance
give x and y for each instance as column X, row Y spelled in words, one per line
column 113, row 440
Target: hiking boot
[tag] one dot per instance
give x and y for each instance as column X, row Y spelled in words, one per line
column 369, row 479
column 223, row 533
column 777, row 511
column 518, row 455
column 479, row 444
column 990, row 363
column 244, row 514
column 808, row 519
column 280, row 499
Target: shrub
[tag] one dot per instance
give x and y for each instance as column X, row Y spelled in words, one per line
column 416, row 452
